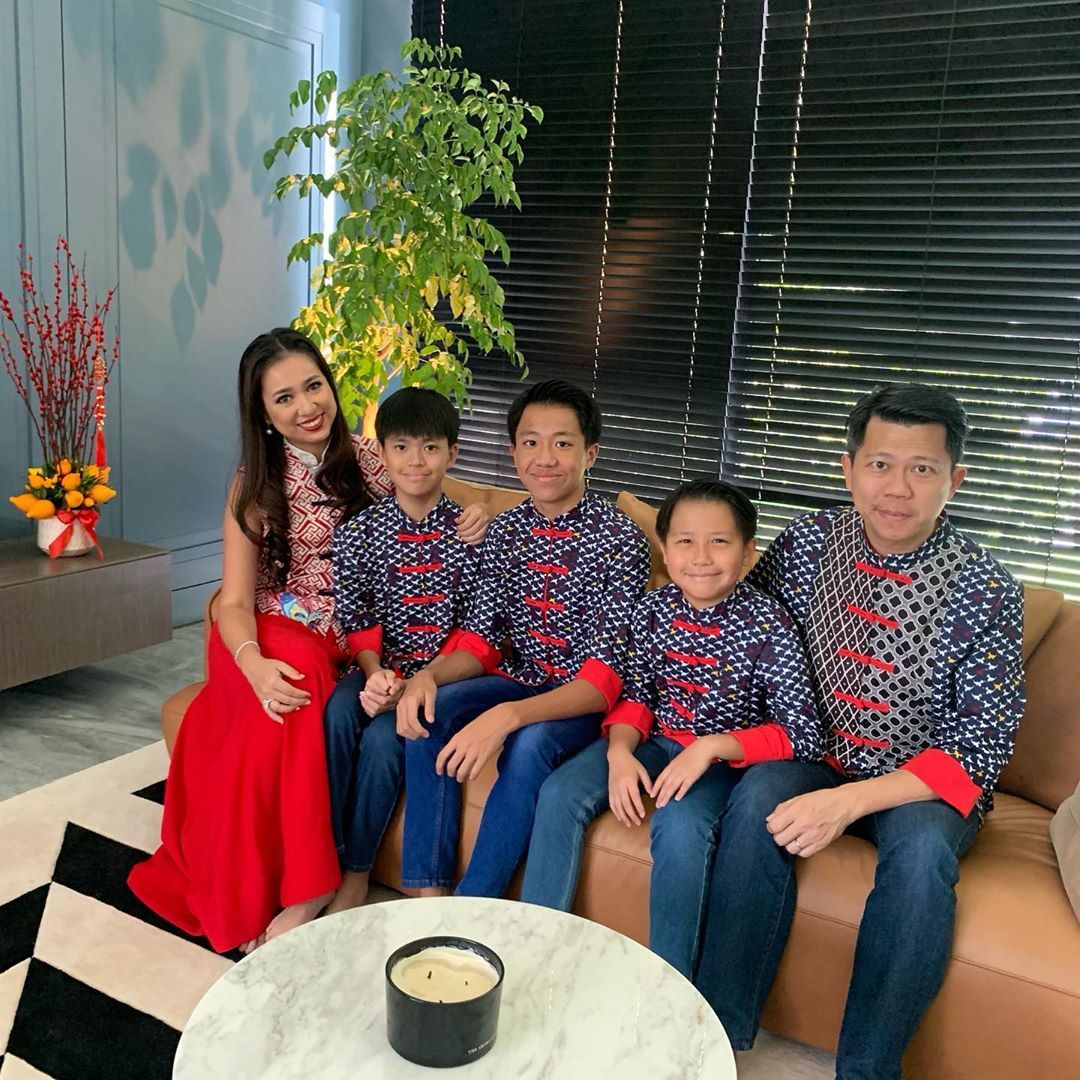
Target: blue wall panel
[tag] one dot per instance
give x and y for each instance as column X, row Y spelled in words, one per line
column 140, row 127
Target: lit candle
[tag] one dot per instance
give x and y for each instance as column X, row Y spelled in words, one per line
column 444, row 974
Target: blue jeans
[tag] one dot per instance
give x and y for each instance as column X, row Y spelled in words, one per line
column 433, row 802
column 365, row 759
column 683, row 838
column 905, row 934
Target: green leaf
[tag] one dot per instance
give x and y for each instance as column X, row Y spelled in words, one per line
column 414, row 154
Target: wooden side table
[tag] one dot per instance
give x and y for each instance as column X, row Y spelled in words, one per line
column 58, row 614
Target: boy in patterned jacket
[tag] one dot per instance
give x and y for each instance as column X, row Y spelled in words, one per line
column 559, row 577
column 913, row 634
column 717, row 680
column 402, row 577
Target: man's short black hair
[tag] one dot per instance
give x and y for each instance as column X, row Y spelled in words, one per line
column 557, row 392
column 742, row 509
column 910, row 404
column 418, row 413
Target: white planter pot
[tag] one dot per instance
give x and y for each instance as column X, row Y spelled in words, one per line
column 79, row 543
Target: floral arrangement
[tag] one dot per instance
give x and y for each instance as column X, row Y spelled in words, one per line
column 60, row 370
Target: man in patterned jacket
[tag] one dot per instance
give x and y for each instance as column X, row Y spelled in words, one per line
column 559, row 576
column 913, row 634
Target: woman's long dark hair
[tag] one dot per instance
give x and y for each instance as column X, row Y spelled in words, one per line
column 262, row 454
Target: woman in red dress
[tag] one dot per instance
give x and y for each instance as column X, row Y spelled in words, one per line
column 247, row 851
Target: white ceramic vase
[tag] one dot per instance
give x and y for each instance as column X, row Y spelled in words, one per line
column 48, row 529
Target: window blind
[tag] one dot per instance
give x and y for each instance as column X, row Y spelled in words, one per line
column 625, row 256
column 914, row 214
column 739, row 217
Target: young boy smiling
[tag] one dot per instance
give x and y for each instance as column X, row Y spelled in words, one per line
column 559, row 577
column 402, row 575
column 716, row 681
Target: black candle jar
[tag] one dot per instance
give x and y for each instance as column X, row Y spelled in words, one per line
column 442, row 1034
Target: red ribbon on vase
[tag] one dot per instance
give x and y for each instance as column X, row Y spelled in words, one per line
column 86, row 518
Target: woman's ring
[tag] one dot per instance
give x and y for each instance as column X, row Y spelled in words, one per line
column 266, row 703
column 797, row 846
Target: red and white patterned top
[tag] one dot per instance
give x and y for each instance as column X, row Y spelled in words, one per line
column 308, row 594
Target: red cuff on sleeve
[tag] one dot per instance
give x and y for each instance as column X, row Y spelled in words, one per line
column 629, row 712
column 451, row 642
column 469, row 642
column 946, row 777
column 603, row 678
column 369, row 640
column 766, row 742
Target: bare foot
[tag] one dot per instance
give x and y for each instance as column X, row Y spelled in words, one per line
column 253, row 944
column 352, row 893
column 296, row 915
column 433, row 890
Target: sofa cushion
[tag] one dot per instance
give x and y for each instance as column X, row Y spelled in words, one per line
column 1041, row 607
column 172, row 712
column 1045, row 765
column 644, row 517
column 494, row 499
column 1065, row 833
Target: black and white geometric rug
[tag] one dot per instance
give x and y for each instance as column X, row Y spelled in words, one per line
column 92, row 983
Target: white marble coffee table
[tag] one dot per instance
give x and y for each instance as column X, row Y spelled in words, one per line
column 578, row 1001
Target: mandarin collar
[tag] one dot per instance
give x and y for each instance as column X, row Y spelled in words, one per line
column 943, row 534
column 305, row 457
column 717, row 610
column 569, row 517
column 431, row 519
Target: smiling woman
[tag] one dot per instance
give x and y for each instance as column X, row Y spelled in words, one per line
column 247, row 829
column 299, row 402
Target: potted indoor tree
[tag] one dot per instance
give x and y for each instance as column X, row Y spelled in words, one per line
column 401, row 287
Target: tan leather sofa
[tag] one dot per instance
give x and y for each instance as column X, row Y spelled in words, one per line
column 1010, row 1005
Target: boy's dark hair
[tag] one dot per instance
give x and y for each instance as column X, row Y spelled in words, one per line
column 742, row 509
column 417, row 413
column 910, row 404
column 557, row 392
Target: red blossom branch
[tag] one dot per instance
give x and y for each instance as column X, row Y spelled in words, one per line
column 62, row 363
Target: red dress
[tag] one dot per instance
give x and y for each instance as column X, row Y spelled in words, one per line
column 246, row 829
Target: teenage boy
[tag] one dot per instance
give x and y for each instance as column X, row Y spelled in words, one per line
column 913, row 634
column 716, row 681
column 402, row 577
column 559, row 577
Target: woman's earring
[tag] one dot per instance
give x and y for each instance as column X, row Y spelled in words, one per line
column 269, row 430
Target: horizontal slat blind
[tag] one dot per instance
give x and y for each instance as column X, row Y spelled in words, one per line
column 625, row 256
column 914, row 214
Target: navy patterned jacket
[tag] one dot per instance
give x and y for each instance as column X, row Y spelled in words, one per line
column 915, row 657
column 737, row 667
column 400, row 586
column 561, row 591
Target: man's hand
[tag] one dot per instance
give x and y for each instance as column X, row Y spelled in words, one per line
column 381, row 691
column 807, row 823
column 626, row 778
column 417, row 693
column 467, row 752
column 472, row 524
column 682, row 773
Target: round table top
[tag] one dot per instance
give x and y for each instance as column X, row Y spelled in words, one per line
column 578, row 1000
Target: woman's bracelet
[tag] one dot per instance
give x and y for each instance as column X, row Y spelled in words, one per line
column 240, row 648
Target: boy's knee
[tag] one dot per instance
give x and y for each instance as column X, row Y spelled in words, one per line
column 380, row 737
column 342, row 713
column 680, row 826
column 759, row 791
column 563, row 800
